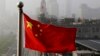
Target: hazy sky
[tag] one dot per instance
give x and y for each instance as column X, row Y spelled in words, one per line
column 9, row 15
column 32, row 6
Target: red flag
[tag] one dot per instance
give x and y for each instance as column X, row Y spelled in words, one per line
column 48, row 38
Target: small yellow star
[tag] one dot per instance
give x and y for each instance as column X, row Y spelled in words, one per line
column 41, row 30
column 36, row 35
column 38, row 25
column 29, row 24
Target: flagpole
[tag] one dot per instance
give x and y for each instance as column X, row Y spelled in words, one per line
column 19, row 40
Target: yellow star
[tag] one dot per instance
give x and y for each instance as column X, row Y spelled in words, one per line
column 38, row 25
column 29, row 24
column 41, row 30
column 36, row 35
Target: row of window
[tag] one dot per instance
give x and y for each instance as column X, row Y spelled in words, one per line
column 94, row 29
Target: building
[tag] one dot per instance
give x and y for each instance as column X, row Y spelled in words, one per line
column 2, row 9
column 52, row 8
column 88, row 29
column 66, row 22
column 43, row 8
column 68, row 8
column 88, row 12
column 84, row 53
column 43, row 12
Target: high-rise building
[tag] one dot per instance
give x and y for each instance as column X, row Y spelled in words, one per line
column 2, row 15
column 2, row 8
column 68, row 8
column 90, row 13
column 53, row 9
column 43, row 12
column 43, row 9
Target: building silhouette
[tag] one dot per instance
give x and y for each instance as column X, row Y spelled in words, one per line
column 68, row 8
column 88, row 12
column 43, row 16
column 53, row 9
column 43, row 8
column 2, row 8
column 2, row 16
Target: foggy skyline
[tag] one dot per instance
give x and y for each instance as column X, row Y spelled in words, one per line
column 31, row 6
column 9, row 10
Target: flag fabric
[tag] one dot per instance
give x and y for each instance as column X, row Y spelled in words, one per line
column 48, row 38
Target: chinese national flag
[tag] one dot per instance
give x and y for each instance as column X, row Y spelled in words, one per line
column 48, row 38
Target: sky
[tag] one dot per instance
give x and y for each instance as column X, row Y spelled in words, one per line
column 32, row 6
column 9, row 15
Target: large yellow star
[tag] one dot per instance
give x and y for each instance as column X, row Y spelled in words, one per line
column 29, row 24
